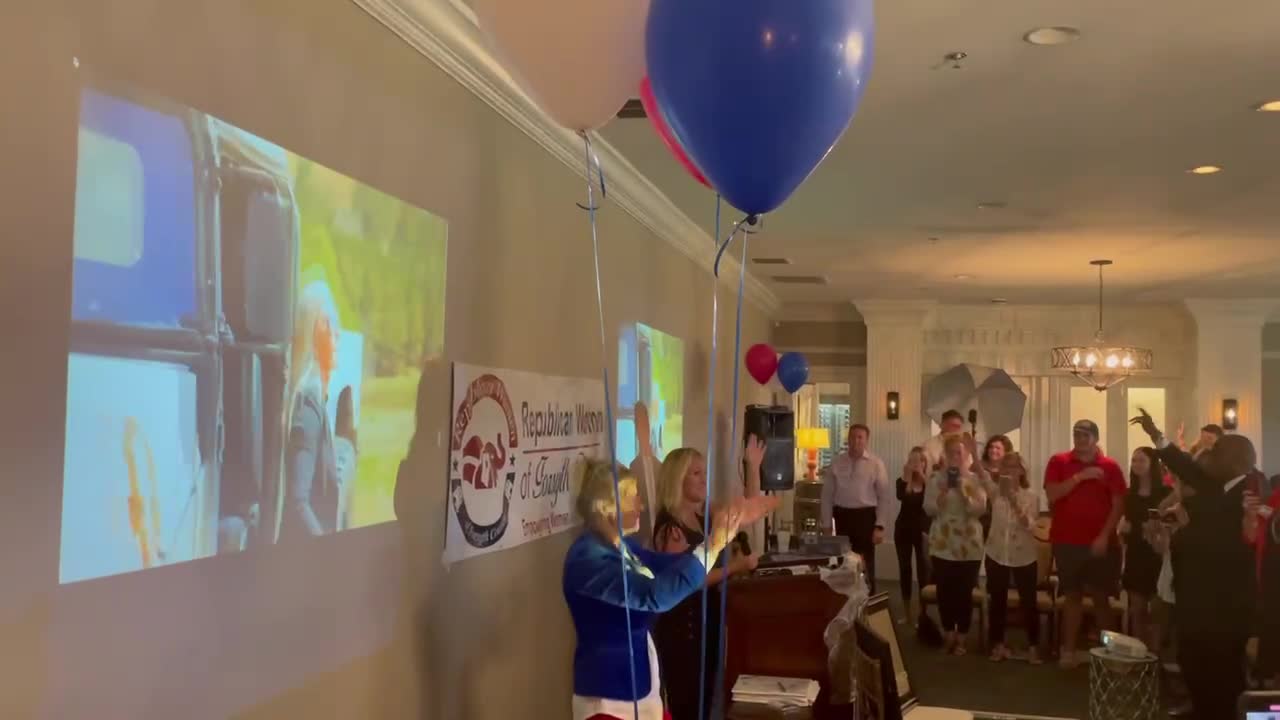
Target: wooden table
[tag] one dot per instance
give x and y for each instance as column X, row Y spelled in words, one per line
column 775, row 625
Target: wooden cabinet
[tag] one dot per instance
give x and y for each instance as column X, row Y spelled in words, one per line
column 775, row 625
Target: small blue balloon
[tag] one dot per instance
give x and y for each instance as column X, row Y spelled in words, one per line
column 793, row 371
column 758, row 91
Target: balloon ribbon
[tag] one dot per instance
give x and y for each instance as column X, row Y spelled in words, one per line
column 594, row 162
column 710, row 459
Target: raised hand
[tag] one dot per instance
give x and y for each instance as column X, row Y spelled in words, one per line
column 754, row 451
column 755, row 508
column 1147, row 423
column 742, row 511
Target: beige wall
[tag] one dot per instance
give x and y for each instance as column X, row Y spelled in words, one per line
column 491, row 637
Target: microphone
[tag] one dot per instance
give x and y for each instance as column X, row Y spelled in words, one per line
column 973, row 416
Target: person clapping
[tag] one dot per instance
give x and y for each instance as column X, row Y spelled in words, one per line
column 601, row 597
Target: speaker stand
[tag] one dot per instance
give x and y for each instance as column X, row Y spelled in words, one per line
column 768, row 528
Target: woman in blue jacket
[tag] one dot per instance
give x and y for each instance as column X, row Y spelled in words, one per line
column 598, row 598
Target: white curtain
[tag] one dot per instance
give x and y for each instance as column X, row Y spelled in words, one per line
column 1046, row 424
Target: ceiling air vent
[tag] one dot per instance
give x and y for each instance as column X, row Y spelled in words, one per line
column 633, row 109
column 799, row 280
column 770, row 261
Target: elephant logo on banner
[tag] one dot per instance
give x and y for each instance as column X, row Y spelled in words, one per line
column 481, row 478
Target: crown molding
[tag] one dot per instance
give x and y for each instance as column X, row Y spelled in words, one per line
column 897, row 314
column 1246, row 313
column 445, row 32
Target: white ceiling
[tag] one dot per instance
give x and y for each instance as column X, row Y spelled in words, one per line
column 1087, row 143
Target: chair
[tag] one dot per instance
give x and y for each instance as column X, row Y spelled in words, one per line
column 1046, row 584
column 870, row 693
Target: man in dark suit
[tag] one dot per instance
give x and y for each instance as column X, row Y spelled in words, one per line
column 1213, row 571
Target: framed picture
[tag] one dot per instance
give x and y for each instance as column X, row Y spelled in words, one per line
column 877, row 620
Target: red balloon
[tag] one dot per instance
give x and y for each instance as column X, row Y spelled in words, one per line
column 762, row 362
column 651, row 109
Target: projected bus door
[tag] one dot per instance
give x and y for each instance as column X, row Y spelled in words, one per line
column 248, row 330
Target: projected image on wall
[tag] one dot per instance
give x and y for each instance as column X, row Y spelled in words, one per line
column 248, row 331
column 650, row 370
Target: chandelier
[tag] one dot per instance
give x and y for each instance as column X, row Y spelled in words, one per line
column 1101, row 365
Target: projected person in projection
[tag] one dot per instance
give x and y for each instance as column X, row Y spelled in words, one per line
column 599, row 598
column 345, row 449
column 310, row 496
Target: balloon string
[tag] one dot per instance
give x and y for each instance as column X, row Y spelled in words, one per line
column 747, row 219
column 709, row 465
column 592, row 160
column 735, row 445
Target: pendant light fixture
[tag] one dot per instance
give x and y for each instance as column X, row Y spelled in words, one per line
column 1100, row 365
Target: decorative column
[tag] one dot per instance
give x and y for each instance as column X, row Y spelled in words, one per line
column 895, row 359
column 1229, row 362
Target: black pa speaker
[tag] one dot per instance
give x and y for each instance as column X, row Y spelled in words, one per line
column 777, row 426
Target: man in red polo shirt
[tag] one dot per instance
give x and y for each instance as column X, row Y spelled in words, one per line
column 1086, row 498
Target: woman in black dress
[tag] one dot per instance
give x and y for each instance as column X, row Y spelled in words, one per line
column 912, row 524
column 677, row 528
column 1141, row 561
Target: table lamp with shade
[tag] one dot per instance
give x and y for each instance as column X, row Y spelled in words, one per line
column 811, row 440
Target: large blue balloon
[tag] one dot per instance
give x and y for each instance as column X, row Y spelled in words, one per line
column 758, row 91
column 793, row 368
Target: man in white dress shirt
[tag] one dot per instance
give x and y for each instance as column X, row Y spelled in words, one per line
column 855, row 493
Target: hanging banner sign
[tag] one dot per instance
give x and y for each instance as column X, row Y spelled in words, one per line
column 514, row 440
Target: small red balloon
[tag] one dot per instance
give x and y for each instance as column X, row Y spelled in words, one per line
column 762, row 362
column 660, row 126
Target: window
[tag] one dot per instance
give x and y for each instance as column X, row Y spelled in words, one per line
column 833, row 414
column 1153, row 401
column 137, row 221
column 109, row 201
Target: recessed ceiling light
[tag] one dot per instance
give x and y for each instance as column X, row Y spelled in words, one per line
column 1205, row 170
column 1269, row 106
column 1056, row 35
column 993, row 205
column 963, row 276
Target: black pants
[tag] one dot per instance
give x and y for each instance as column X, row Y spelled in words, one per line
column 678, row 637
column 956, row 580
column 1213, row 662
column 859, row 524
column 908, row 543
column 1024, row 581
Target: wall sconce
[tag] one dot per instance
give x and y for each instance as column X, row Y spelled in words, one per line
column 891, row 405
column 1230, row 414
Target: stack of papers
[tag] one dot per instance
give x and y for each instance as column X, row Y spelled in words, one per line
column 768, row 690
